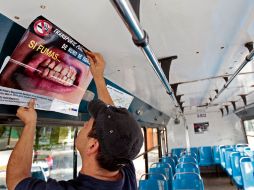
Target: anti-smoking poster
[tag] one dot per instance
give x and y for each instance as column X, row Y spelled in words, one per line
column 47, row 65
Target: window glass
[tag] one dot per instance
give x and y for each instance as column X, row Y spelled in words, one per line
column 152, row 141
column 249, row 129
column 9, row 136
column 52, row 155
column 139, row 162
column 79, row 161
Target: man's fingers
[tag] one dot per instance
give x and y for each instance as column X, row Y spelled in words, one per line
column 20, row 109
column 31, row 103
column 90, row 54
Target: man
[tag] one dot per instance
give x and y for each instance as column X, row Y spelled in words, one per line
column 107, row 143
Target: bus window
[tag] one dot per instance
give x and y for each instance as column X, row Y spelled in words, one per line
column 249, row 129
column 52, row 156
column 8, row 138
column 139, row 162
column 152, row 146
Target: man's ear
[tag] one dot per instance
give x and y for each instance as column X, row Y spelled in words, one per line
column 93, row 146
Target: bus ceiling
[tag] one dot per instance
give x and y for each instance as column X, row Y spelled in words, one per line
column 208, row 39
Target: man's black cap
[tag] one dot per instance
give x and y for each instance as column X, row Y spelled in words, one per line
column 118, row 132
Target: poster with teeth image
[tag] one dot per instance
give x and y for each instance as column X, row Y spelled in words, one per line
column 48, row 65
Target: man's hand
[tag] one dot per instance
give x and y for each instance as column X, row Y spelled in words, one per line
column 28, row 115
column 97, row 69
column 97, row 64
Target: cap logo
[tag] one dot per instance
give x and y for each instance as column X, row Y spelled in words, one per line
column 109, row 116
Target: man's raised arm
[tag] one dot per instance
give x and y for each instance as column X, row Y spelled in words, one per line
column 97, row 69
column 19, row 164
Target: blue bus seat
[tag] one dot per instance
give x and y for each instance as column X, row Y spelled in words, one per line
column 156, row 183
column 205, row 156
column 194, row 151
column 216, row 154
column 175, row 159
column 228, row 166
column 236, row 171
column 240, row 147
column 247, row 173
column 222, row 156
column 169, row 160
column 177, row 151
column 249, row 153
column 183, row 153
column 187, row 180
column 162, row 168
column 194, row 155
column 187, row 158
column 187, row 167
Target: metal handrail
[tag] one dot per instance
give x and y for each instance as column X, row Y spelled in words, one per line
column 140, row 38
column 161, row 163
column 183, row 173
column 248, row 58
column 147, row 174
column 151, row 149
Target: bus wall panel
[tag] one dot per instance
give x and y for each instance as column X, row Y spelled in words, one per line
column 222, row 130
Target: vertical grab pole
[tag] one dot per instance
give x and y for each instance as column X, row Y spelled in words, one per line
column 187, row 137
column 75, row 159
column 145, row 145
column 159, row 143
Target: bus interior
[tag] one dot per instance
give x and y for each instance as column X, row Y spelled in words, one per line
column 185, row 70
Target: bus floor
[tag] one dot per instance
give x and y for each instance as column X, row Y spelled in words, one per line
column 213, row 182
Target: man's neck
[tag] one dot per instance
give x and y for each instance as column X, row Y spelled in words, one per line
column 92, row 169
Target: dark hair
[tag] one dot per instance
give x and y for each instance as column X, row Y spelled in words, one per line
column 105, row 161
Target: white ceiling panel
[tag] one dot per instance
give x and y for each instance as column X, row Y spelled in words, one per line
column 208, row 36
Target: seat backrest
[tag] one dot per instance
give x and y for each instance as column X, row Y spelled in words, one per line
column 205, row 156
column 235, row 163
column 162, row 168
column 247, row 172
column 177, row 151
column 222, row 154
column 227, row 158
column 240, row 147
column 187, row 158
column 169, row 160
column 175, row 159
column 249, row 153
column 216, row 154
column 194, row 152
column 153, row 183
column 187, row 167
column 187, row 180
